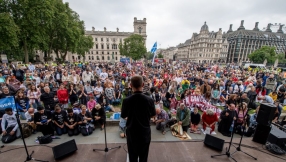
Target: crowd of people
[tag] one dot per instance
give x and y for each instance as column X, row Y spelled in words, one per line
column 74, row 98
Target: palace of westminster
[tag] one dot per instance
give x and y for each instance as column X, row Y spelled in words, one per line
column 205, row 46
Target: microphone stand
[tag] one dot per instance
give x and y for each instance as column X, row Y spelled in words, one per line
column 106, row 148
column 228, row 154
column 29, row 156
column 238, row 148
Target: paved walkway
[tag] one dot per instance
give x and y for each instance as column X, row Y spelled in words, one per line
column 112, row 134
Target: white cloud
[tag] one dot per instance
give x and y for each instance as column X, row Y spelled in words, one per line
column 171, row 22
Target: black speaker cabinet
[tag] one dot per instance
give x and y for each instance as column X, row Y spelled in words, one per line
column 265, row 114
column 64, row 149
column 261, row 133
column 214, row 142
column 277, row 137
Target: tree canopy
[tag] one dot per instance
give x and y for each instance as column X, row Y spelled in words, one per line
column 48, row 26
column 133, row 47
column 160, row 55
column 265, row 52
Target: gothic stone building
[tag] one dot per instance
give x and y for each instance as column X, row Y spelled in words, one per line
column 106, row 43
column 242, row 42
column 204, row 47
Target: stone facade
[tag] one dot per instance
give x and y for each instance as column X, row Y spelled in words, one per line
column 106, row 43
column 204, row 47
column 242, row 42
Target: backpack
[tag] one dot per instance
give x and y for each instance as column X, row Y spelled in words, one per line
column 27, row 130
column 18, row 74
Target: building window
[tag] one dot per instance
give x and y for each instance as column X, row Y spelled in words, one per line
column 107, row 46
column 108, row 58
column 120, row 40
column 116, row 53
column 96, row 46
column 101, row 39
column 96, row 52
column 91, row 52
column 95, row 39
column 116, row 57
column 102, row 46
column 78, row 57
column 88, row 57
column 108, row 53
column 97, row 57
column 140, row 30
column 102, row 57
column 107, row 39
column 102, row 52
column 92, row 58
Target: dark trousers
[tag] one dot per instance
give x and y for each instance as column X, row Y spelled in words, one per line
column 138, row 146
column 73, row 132
column 46, row 129
column 60, row 131
column 86, row 131
column 185, row 128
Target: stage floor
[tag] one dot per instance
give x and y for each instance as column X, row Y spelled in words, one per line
column 185, row 151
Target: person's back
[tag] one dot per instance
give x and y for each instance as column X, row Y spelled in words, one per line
column 138, row 113
column 138, row 109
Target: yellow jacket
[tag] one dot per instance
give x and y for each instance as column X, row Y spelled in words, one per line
column 274, row 97
column 185, row 82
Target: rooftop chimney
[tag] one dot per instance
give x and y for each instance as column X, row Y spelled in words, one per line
column 268, row 28
column 93, row 29
column 280, row 29
column 230, row 29
column 105, row 29
column 117, row 29
column 256, row 27
column 241, row 25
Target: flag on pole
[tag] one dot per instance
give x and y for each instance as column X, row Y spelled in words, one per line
column 153, row 50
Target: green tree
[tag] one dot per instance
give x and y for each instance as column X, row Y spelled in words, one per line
column 265, row 52
column 149, row 55
column 281, row 58
column 133, row 47
column 8, row 32
column 31, row 18
column 160, row 55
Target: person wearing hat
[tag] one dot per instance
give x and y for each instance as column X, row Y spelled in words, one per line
column 98, row 115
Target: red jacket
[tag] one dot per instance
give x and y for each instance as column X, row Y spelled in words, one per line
column 63, row 96
column 209, row 119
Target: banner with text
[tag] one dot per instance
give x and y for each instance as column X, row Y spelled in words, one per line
column 7, row 102
column 201, row 103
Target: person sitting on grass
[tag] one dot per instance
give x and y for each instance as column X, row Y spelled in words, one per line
column 98, row 115
column 122, row 127
column 195, row 120
column 162, row 120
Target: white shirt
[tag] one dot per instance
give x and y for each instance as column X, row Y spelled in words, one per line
column 103, row 76
column 28, row 116
column 98, row 89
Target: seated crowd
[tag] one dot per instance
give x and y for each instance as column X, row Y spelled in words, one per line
column 74, row 99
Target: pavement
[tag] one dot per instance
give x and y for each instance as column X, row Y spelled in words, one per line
column 163, row 148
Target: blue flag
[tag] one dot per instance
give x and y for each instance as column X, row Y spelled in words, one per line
column 154, row 48
column 7, row 102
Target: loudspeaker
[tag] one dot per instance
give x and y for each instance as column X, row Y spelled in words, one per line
column 277, row 137
column 266, row 113
column 64, row 149
column 261, row 133
column 214, row 142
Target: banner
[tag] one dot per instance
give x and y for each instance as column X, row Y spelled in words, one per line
column 201, row 103
column 7, row 102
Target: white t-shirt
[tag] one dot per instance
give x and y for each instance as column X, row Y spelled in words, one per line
column 103, row 76
column 98, row 89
